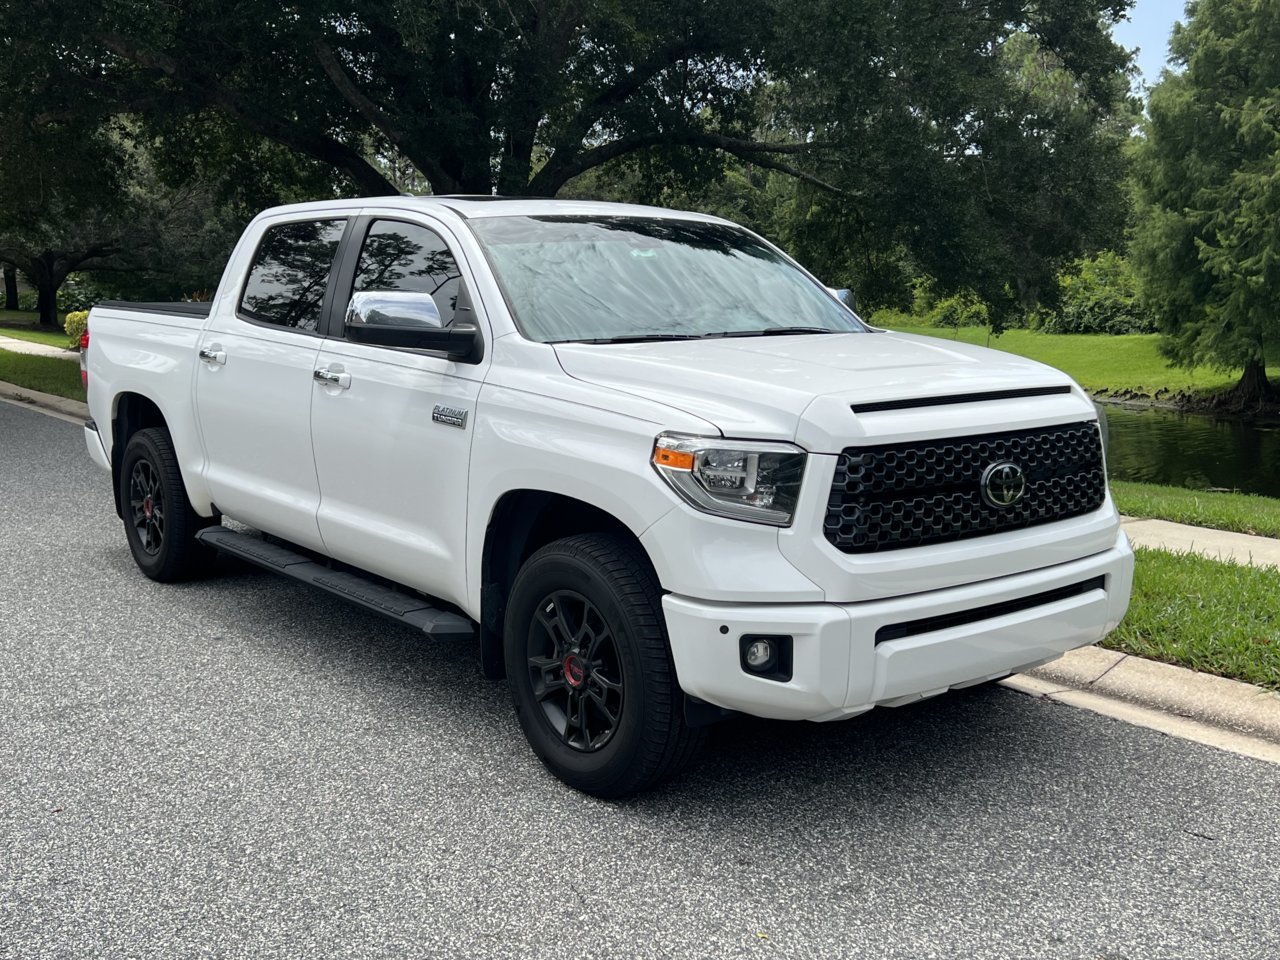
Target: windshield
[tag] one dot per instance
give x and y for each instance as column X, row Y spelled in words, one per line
column 602, row 278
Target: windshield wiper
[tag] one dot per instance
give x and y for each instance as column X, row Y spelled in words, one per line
column 636, row 338
column 655, row 337
column 771, row 332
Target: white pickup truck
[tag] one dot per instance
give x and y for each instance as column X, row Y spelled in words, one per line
column 657, row 469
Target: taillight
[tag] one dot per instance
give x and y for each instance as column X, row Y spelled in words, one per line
column 84, row 358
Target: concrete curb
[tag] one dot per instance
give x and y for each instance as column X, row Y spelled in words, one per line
column 1208, row 709
column 75, row 410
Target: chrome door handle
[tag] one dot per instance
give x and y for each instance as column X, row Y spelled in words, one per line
column 213, row 356
column 331, row 379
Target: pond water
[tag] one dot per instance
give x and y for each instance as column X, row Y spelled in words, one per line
column 1193, row 450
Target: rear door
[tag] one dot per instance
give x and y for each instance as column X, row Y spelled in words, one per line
column 392, row 439
column 254, row 382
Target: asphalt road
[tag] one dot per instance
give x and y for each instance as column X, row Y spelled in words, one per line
column 243, row 768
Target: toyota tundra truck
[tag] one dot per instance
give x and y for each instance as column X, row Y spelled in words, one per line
column 655, row 470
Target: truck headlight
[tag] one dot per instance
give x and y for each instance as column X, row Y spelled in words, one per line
column 743, row 479
column 1102, row 426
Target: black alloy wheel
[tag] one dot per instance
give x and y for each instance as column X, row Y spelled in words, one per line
column 575, row 670
column 590, row 670
column 146, row 506
column 160, row 524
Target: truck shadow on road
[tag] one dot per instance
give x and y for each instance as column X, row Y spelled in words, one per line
column 956, row 743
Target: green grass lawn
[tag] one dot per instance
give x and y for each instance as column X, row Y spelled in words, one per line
column 1238, row 512
column 24, row 325
column 46, row 374
column 1099, row 363
column 1204, row 614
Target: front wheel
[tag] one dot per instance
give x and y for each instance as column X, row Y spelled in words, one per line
column 589, row 667
column 159, row 522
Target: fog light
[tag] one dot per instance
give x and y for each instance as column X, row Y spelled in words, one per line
column 759, row 654
column 766, row 655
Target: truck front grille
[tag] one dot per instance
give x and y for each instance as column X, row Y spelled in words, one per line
column 899, row 495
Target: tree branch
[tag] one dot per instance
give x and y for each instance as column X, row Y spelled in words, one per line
column 549, row 181
column 289, row 133
column 441, row 182
column 592, row 111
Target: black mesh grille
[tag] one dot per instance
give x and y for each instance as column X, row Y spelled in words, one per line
column 910, row 494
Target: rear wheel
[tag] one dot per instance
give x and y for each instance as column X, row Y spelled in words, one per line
column 159, row 521
column 589, row 667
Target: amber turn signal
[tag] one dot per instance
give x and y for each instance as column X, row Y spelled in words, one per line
column 676, row 459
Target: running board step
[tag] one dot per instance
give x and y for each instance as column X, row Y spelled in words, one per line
column 407, row 608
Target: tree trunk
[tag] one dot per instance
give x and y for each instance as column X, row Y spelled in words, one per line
column 1252, row 393
column 10, row 287
column 47, row 304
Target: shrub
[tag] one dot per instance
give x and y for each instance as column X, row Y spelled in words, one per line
column 891, row 317
column 1099, row 295
column 75, row 324
column 963, row 309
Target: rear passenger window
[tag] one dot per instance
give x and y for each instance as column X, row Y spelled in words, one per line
column 289, row 273
column 403, row 256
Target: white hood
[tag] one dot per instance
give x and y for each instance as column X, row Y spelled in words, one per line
column 760, row 387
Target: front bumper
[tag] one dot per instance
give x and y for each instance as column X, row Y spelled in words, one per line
column 958, row 637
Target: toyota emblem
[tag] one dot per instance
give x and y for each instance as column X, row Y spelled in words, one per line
column 1003, row 484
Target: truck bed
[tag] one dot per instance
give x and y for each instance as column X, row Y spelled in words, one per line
column 177, row 308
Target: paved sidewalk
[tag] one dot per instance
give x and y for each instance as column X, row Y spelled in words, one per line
column 13, row 345
column 1238, row 548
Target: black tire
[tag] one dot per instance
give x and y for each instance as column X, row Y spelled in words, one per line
column 159, row 522
column 621, row 640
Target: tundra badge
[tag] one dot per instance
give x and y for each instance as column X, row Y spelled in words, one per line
column 453, row 416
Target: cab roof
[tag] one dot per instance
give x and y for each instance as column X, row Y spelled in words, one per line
column 480, row 206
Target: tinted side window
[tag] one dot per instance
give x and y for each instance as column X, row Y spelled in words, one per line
column 402, row 256
column 289, row 272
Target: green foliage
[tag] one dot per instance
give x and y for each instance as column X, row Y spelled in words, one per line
column 63, row 203
column 75, row 324
column 878, row 142
column 1098, row 295
column 1207, row 236
column 892, row 318
column 963, row 309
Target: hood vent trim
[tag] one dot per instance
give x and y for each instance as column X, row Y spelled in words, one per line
column 876, row 406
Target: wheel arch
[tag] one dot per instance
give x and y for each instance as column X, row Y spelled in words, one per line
column 521, row 522
column 131, row 412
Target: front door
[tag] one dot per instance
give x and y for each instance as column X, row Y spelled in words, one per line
column 254, row 382
column 391, row 428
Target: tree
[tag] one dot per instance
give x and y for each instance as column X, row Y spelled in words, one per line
column 1099, row 295
column 525, row 96
column 899, row 128
column 1207, row 236
column 10, row 287
column 62, row 206
column 984, row 156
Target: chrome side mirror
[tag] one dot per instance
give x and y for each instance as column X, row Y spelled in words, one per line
column 393, row 308
column 395, row 318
